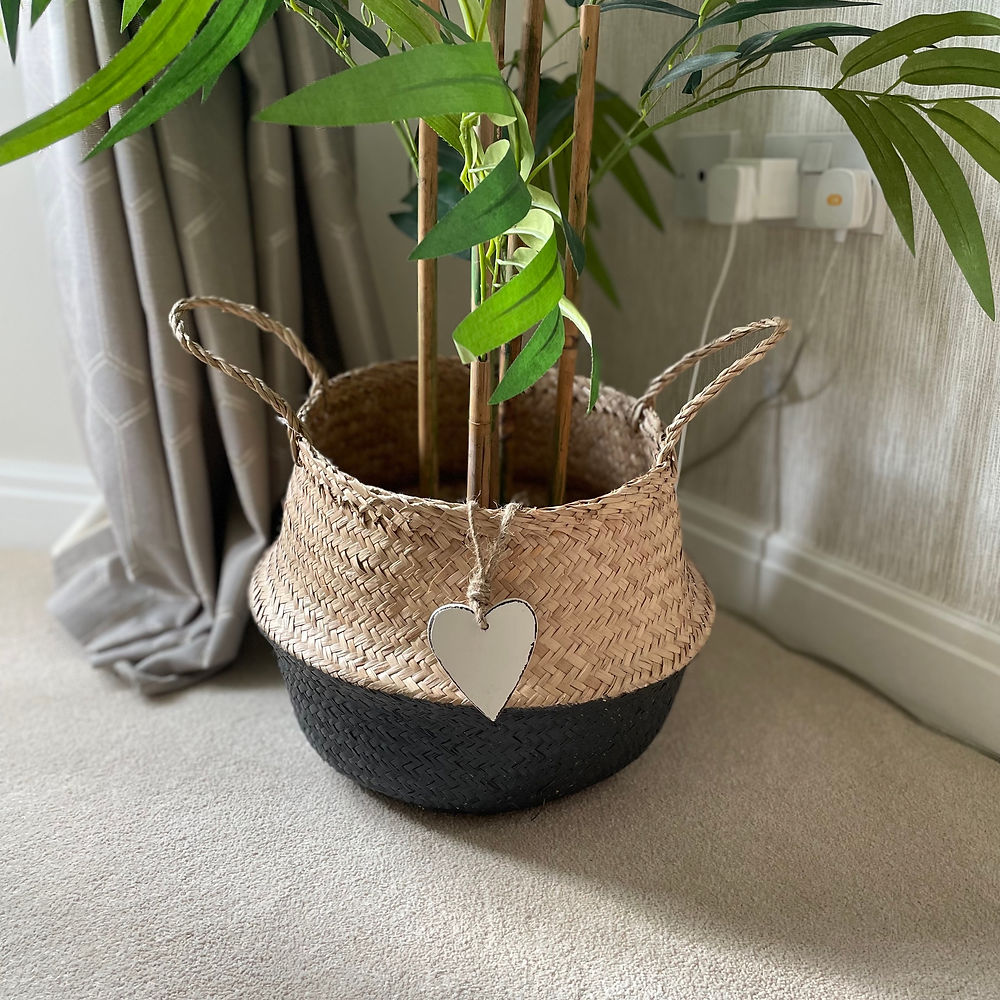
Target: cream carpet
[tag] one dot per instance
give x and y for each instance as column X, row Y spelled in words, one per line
column 789, row 834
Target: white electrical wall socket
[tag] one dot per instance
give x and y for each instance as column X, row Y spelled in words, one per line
column 693, row 155
column 831, row 160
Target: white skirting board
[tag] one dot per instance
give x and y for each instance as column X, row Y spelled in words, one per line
column 40, row 500
column 936, row 663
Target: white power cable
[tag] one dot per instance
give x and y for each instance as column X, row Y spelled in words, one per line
column 776, row 396
column 713, row 302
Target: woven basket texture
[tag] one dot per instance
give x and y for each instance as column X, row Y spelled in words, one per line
column 360, row 564
column 452, row 757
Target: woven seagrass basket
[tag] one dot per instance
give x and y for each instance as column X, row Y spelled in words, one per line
column 345, row 592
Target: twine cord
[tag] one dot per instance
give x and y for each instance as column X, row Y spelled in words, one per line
column 779, row 328
column 480, row 587
column 266, row 324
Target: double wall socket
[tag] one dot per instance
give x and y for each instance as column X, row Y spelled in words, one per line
column 694, row 154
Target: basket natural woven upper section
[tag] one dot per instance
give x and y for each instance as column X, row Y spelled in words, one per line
column 360, row 565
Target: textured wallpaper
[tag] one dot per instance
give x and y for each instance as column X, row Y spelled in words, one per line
column 885, row 449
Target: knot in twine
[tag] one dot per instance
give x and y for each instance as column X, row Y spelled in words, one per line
column 480, row 585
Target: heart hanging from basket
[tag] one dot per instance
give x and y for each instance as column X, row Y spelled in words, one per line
column 485, row 663
column 485, row 652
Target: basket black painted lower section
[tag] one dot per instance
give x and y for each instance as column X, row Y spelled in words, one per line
column 451, row 757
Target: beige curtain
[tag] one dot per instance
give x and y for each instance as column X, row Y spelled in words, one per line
column 190, row 465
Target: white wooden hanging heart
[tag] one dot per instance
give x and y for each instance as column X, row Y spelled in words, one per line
column 486, row 664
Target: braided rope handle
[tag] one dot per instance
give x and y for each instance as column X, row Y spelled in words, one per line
column 267, row 324
column 778, row 327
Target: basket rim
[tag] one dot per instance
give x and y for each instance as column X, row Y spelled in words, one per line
column 646, row 421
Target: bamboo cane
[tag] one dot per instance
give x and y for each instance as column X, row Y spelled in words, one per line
column 583, row 126
column 427, row 374
column 531, row 74
column 482, row 475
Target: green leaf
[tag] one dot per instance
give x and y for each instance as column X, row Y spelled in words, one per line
column 694, row 64
column 271, row 7
column 577, row 251
column 450, row 192
column 693, row 82
column 490, row 209
column 914, row 33
column 358, row 30
column 428, row 81
column 659, row 6
column 882, row 157
column 405, row 19
column 570, row 312
column 947, row 192
column 555, row 118
column 450, row 26
column 595, row 377
column 537, row 356
column 756, row 8
column 525, row 300
column 751, row 43
column 225, row 35
column 129, row 9
column 448, row 127
column 624, row 115
column 38, row 8
column 535, row 230
column 826, row 45
column 974, row 129
column 945, row 67
column 790, row 39
column 162, row 35
column 10, row 13
column 741, row 12
column 540, row 198
column 520, row 138
column 625, row 172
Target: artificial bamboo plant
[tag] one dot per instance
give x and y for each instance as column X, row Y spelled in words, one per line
column 514, row 180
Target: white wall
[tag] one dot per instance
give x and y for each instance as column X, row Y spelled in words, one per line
column 35, row 417
column 43, row 479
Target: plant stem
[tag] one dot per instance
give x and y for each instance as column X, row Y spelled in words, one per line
column 483, row 470
column 427, row 374
column 539, row 167
column 470, row 24
column 583, row 127
column 531, row 75
column 555, row 41
column 478, row 480
column 406, row 138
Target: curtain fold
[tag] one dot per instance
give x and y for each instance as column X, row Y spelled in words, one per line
column 189, row 465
